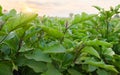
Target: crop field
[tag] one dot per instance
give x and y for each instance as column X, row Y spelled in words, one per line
column 81, row 44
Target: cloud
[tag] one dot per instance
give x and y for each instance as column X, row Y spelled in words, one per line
column 44, row 3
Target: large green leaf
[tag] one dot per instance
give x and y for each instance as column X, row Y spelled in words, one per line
column 98, row 43
column 74, row 72
column 21, row 60
column 38, row 55
column 17, row 21
column 91, row 68
column 52, row 32
column 108, row 51
column 57, row 48
column 5, row 69
column 102, row 72
column 91, row 51
column 102, row 65
column 36, row 66
column 51, row 70
column 82, row 18
column 12, row 41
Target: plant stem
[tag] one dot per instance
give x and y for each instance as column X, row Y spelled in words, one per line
column 20, row 42
column 66, row 28
column 107, row 30
column 78, row 49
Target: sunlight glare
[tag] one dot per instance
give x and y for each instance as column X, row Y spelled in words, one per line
column 28, row 9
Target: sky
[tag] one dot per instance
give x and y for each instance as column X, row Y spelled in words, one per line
column 57, row 7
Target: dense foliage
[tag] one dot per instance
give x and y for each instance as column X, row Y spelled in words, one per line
column 83, row 44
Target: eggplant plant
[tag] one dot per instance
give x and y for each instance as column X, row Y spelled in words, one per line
column 84, row 44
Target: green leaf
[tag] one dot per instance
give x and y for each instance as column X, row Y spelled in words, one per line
column 36, row 66
column 73, row 72
column 82, row 18
column 18, row 21
column 8, row 15
column 5, row 69
column 25, row 49
column 12, row 42
column 102, row 65
column 108, row 51
column 19, row 32
column 38, row 55
column 77, row 19
column 117, row 27
column 68, row 43
column 51, row 70
column 57, row 48
column 21, row 60
column 91, row 51
column 98, row 43
column 5, row 49
column 10, row 36
column 31, row 32
column 102, row 72
column 52, row 32
column 1, row 11
column 91, row 68
column 116, row 60
column 2, row 33
column 97, row 7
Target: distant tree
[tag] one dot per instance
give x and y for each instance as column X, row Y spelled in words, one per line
column 71, row 15
column 117, row 16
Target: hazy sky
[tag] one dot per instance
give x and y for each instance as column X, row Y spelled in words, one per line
column 58, row 7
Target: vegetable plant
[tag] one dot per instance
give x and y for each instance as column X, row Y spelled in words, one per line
column 84, row 44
